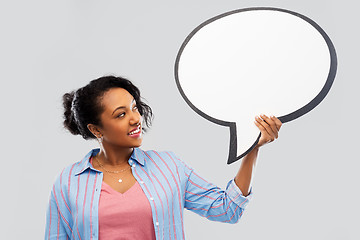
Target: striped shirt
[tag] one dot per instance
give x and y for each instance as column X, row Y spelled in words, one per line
column 169, row 184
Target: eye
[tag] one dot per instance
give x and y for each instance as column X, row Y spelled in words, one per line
column 121, row 115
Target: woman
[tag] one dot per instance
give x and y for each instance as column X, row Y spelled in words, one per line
column 119, row 191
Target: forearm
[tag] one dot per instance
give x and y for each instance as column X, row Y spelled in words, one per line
column 245, row 173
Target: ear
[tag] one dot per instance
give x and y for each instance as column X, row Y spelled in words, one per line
column 94, row 130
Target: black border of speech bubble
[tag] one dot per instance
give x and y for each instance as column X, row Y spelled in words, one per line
column 286, row 118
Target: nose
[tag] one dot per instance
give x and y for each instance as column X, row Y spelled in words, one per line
column 135, row 118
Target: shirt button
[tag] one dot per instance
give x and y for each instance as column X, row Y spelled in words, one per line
column 152, row 199
column 142, row 182
column 157, row 223
column 133, row 165
column 131, row 162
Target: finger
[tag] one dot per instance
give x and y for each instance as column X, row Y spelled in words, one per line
column 267, row 124
column 265, row 127
column 272, row 125
column 278, row 123
column 259, row 125
column 265, row 137
column 263, row 134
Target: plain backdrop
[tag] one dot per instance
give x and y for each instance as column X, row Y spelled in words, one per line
column 306, row 184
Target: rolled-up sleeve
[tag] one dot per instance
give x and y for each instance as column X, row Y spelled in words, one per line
column 210, row 201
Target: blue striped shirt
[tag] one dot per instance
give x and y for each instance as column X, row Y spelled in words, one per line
column 169, row 184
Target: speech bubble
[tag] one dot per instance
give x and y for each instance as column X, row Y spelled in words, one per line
column 254, row 61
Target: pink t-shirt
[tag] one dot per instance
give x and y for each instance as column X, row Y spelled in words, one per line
column 124, row 216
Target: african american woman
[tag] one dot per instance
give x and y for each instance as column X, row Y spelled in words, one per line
column 119, row 191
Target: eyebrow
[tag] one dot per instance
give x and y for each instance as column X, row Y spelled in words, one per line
column 121, row 107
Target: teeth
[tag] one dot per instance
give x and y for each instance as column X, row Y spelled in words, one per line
column 134, row 132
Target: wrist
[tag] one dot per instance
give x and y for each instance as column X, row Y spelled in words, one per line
column 255, row 149
column 252, row 155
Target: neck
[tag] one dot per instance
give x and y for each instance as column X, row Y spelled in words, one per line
column 114, row 156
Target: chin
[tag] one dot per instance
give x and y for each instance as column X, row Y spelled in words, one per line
column 138, row 144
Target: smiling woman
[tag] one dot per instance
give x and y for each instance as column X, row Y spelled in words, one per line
column 119, row 191
column 85, row 105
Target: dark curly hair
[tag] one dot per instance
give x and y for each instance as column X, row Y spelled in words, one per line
column 83, row 106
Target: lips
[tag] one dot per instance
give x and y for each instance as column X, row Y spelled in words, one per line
column 135, row 130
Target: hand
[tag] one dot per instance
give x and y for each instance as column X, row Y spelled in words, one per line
column 269, row 128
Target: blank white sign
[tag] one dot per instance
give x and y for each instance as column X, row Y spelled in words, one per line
column 254, row 61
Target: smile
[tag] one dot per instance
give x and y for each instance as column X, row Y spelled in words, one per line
column 137, row 130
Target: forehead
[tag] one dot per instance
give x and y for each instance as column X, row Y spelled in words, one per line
column 116, row 97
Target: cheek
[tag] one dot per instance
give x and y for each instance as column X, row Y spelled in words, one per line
column 117, row 127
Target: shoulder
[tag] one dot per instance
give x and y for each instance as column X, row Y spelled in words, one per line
column 160, row 155
column 67, row 174
column 165, row 158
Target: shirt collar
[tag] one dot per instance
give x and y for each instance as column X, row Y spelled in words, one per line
column 84, row 164
column 138, row 155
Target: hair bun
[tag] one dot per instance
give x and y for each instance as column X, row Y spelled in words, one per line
column 69, row 119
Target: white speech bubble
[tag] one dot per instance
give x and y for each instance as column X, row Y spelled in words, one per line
column 254, row 61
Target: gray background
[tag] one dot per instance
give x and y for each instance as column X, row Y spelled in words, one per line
column 306, row 184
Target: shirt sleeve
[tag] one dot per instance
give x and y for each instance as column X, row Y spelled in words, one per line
column 208, row 200
column 54, row 228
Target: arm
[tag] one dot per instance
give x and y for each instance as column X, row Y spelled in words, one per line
column 54, row 228
column 208, row 200
column 269, row 127
column 228, row 205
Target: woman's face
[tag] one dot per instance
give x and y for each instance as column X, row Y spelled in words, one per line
column 121, row 119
